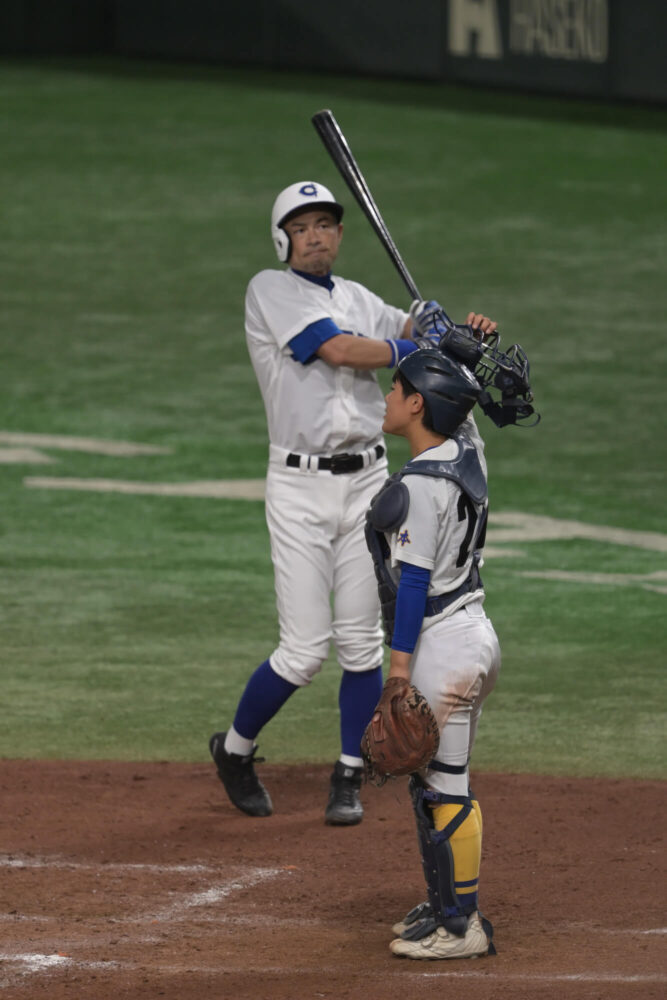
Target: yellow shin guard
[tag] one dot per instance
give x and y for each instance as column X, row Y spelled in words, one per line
column 476, row 807
column 466, row 847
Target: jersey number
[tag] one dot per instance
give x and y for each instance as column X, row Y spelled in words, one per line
column 467, row 510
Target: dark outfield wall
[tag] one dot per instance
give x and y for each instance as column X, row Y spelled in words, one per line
column 593, row 48
column 56, row 27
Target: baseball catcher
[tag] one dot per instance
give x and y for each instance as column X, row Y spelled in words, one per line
column 425, row 530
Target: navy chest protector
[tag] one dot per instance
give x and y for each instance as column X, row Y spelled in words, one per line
column 389, row 508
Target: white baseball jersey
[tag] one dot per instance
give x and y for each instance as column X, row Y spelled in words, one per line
column 316, row 409
column 433, row 532
column 316, row 519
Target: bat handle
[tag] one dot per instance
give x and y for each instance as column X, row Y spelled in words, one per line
column 411, row 287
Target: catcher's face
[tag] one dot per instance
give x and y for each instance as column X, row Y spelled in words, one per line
column 402, row 411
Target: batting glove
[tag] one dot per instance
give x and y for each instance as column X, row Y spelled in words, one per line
column 428, row 318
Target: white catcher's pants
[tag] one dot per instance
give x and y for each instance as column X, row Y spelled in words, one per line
column 316, row 525
column 455, row 665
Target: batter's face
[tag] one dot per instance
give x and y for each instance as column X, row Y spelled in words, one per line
column 315, row 238
column 402, row 411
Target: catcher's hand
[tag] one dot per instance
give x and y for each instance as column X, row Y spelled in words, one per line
column 402, row 736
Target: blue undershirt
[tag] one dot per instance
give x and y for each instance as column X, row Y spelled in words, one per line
column 410, row 606
column 325, row 280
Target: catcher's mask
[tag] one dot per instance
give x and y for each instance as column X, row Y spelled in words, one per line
column 450, row 390
column 505, row 372
column 300, row 197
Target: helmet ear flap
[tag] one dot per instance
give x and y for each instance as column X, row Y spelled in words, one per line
column 282, row 243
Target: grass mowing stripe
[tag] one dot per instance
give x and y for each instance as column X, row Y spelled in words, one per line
column 139, row 210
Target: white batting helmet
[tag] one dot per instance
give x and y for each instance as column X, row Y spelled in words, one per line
column 298, row 197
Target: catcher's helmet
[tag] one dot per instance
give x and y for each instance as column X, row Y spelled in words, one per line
column 450, row 390
column 299, row 197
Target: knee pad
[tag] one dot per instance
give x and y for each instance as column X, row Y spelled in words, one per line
column 450, row 847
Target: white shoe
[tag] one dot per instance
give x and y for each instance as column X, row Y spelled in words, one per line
column 442, row 944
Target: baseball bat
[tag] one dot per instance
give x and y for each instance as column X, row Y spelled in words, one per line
column 337, row 146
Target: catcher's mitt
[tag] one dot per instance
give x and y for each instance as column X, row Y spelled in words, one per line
column 403, row 734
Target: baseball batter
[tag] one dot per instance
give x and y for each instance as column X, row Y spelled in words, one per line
column 425, row 530
column 315, row 341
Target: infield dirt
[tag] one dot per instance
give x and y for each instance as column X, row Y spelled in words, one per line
column 142, row 881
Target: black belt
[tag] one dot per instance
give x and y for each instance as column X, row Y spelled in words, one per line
column 337, row 464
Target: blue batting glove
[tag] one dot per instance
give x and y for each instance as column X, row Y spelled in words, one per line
column 429, row 318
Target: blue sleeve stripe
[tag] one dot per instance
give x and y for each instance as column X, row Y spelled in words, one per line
column 305, row 345
column 410, row 606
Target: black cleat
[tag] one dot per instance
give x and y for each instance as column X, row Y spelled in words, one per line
column 344, row 807
column 237, row 774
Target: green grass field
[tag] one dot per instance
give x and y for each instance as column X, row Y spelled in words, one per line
column 136, row 209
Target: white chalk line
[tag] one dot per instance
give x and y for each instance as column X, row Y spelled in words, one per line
column 520, row 527
column 36, row 963
column 26, row 965
column 493, row 552
column 657, row 931
column 215, row 489
column 657, row 576
column 214, row 894
column 219, row 919
column 549, row 977
column 182, row 905
column 656, row 581
column 264, row 920
column 24, row 456
column 14, row 861
column 95, row 446
column 39, row 963
column 180, row 908
column 509, row 526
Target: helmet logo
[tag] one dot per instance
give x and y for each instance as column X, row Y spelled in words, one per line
column 308, row 189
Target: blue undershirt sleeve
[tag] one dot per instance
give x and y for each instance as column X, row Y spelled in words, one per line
column 410, row 606
column 305, row 345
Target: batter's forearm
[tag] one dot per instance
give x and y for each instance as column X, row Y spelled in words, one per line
column 356, row 352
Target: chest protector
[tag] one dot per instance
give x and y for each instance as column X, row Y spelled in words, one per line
column 389, row 508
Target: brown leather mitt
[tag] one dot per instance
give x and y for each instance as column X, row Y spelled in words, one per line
column 403, row 735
